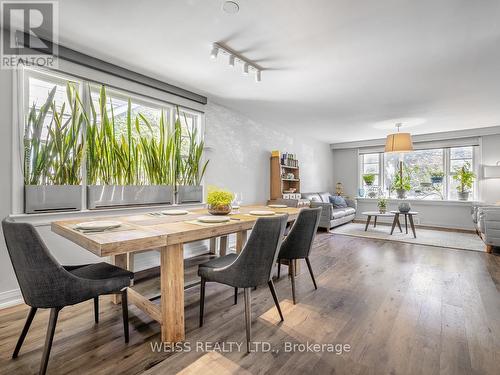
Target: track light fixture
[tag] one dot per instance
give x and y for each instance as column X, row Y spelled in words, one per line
column 234, row 58
column 215, row 51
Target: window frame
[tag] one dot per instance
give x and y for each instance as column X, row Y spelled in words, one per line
column 21, row 105
column 446, row 168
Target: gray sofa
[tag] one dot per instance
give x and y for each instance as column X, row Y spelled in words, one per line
column 330, row 216
column 486, row 219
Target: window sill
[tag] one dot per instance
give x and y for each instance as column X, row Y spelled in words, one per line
column 433, row 202
column 46, row 218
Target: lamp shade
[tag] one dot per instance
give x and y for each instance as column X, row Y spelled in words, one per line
column 398, row 142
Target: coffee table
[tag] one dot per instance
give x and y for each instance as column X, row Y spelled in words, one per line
column 375, row 215
column 408, row 216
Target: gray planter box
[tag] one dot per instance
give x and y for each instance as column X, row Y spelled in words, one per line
column 189, row 194
column 105, row 196
column 49, row 198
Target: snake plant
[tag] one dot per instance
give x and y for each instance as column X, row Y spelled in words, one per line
column 56, row 158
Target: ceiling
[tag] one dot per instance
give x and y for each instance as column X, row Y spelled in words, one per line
column 336, row 70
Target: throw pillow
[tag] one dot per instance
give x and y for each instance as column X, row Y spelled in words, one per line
column 338, row 201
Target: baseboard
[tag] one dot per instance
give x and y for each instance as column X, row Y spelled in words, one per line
column 10, row 298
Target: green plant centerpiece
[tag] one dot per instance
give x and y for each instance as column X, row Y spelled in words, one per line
column 382, row 205
column 465, row 178
column 219, row 201
column 402, row 182
column 369, row 179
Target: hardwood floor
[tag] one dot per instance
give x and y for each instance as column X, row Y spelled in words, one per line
column 402, row 308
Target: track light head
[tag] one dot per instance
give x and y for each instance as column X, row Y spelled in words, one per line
column 245, row 68
column 231, row 60
column 215, row 51
column 258, row 77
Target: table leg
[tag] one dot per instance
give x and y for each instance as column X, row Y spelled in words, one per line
column 125, row 261
column 375, row 222
column 172, row 293
column 241, row 239
column 406, row 223
column 213, row 245
column 367, row 222
column 412, row 226
column 223, row 246
column 394, row 222
column 399, row 226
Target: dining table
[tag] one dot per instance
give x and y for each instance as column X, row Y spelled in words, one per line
column 167, row 234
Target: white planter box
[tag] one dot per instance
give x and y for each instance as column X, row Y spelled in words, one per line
column 106, row 196
column 50, row 198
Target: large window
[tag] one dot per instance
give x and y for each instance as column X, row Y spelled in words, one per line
column 430, row 171
column 142, row 126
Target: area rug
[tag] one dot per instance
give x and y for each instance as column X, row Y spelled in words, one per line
column 431, row 237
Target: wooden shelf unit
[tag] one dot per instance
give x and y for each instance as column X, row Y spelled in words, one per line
column 280, row 185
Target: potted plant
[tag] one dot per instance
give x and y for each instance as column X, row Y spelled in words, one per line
column 189, row 170
column 52, row 160
column 401, row 183
column 219, row 201
column 369, row 179
column 127, row 170
column 437, row 177
column 382, row 205
column 465, row 178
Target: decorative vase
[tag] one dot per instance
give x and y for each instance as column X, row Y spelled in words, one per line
column 401, row 193
column 220, row 209
column 404, row 207
column 463, row 196
column 361, row 192
column 382, row 210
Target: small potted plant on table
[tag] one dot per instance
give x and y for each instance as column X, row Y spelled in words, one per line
column 219, row 201
column 465, row 178
column 382, row 205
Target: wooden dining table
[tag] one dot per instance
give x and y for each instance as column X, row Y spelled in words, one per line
column 167, row 234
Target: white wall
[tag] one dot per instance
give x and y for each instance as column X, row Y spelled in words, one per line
column 490, row 188
column 239, row 151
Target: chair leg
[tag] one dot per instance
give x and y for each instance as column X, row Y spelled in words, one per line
column 292, row 276
column 24, row 332
column 311, row 272
column 275, row 298
column 235, row 296
column 54, row 313
column 279, row 268
column 202, row 300
column 125, row 314
column 96, row 309
column 248, row 316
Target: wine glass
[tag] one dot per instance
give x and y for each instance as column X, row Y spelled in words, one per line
column 238, row 200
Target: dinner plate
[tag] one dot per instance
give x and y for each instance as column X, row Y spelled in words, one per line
column 262, row 213
column 214, row 219
column 277, row 205
column 98, row 225
column 175, row 212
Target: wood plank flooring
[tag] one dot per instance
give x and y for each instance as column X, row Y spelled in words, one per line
column 402, row 309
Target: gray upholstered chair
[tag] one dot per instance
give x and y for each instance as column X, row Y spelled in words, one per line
column 251, row 268
column 298, row 243
column 45, row 283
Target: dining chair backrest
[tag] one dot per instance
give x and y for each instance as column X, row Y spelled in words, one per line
column 40, row 277
column 298, row 243
column 254, row 265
